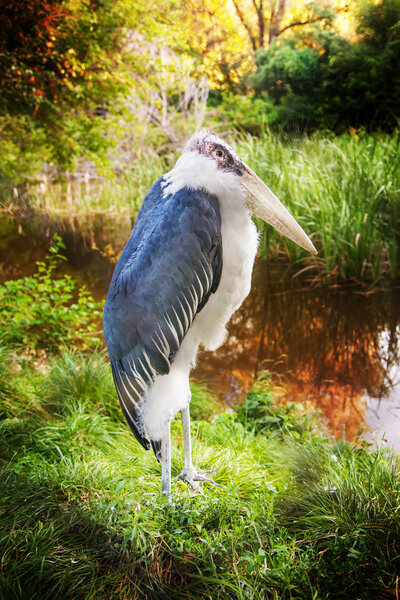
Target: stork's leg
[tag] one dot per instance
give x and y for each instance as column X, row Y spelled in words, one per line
column 189, row 473
column 187, row 442
column 166, row 464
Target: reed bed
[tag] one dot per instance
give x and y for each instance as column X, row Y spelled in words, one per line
column 344, row 191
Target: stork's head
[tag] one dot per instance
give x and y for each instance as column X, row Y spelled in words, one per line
column 209, row 162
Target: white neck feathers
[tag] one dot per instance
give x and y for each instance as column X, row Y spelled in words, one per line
column 196, row 171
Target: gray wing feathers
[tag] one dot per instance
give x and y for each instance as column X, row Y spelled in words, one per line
column 159, row 290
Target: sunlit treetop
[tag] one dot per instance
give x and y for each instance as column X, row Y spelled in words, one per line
column 225, row 34
column 221, row 52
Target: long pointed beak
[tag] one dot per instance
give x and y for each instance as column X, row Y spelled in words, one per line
column 265, row 204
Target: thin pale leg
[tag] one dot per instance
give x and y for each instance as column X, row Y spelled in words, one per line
column 166, row 464
column 189, row 473
column 187, row 442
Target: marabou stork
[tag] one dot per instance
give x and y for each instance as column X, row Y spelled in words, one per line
column 184, row 271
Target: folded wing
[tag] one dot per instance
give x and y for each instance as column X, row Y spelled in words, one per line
column 166, row 273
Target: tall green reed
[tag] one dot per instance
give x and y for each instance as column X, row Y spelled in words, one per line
column 345, row 193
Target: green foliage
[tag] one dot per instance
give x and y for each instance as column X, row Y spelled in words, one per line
column 81, row 513
column 361, row 83
column 262, row 413
column 335, row 84
column 290, row 77
column 32, row 64
column 51, row 82
column 68, row 71
column 41, row 312
column 248, row 113
column 19, row 151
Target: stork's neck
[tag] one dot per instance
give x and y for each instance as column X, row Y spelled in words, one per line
column 196, row 171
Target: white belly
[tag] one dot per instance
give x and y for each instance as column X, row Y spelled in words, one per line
column 170, row 393
column 239, row 244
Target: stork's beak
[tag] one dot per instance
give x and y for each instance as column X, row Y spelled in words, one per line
column 264, row 204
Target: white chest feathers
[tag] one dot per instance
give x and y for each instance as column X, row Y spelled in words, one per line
column 239, row 247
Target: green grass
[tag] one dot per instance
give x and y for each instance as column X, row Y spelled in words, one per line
column 81, row 517
column 345, row 193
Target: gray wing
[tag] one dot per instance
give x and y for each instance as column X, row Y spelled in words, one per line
column 166, row 276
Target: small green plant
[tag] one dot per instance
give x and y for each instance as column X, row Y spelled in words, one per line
column 262, row 413
column 42, row 312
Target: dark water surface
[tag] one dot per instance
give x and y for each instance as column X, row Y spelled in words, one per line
column 337, row 350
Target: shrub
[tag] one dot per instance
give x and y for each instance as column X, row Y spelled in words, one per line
column 248, row 113
column 39, row 312
column 333, row 83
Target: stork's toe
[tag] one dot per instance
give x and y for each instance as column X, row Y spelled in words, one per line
column 193, row 477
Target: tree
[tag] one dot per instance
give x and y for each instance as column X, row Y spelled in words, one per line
column 291, row 76
column 362, row 81
column 66, row 70
column 265, row 20
column 31, row 62
column 214, row 38
column 334, row 83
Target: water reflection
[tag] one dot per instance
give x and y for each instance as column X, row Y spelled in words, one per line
column 93, row 242
column 338, row 350
column 334, row 349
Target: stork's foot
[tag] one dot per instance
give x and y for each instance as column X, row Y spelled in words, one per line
column 193, row 477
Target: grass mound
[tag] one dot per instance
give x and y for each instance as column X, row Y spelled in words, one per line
column 81, row 515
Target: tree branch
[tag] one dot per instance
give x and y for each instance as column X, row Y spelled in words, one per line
column 276, row 18
column 299, row 23
column 245, row 24
column 261, row 25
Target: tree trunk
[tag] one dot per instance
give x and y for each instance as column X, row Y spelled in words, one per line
column 259, row 8
column 245, row 24
column 275, row 23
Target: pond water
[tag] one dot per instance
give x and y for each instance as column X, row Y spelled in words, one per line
column 336, row 350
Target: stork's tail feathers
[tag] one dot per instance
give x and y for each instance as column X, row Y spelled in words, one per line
column 157, row 449
column 125, row 389
column 128, row 397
